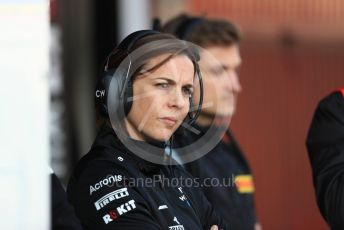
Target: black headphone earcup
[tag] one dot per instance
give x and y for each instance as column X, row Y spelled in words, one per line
column 114, row 101
column 103, row 84
column 101, row 93
column 104, row 110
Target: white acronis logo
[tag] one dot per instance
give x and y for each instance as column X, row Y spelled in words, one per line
column 108, row 181
column 124, row 208
column 116, row 195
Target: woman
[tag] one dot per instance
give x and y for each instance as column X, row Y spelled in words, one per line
column 126, row 180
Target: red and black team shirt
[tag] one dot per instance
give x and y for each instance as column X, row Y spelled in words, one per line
column 225, row 177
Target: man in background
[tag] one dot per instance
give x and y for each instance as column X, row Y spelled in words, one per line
column 221, row 82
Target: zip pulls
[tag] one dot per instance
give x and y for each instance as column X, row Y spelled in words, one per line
column 168, row 159
column 168, row 151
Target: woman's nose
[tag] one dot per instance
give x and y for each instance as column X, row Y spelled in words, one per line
column 178, row 99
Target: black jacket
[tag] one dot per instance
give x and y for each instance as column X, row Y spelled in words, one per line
column 225, row 177
column 108, row 190
column 62, row 213
column 325, row 143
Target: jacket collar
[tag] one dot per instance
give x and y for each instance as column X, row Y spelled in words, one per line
column 107, row 137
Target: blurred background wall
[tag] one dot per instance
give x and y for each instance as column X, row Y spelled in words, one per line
column 293, row 53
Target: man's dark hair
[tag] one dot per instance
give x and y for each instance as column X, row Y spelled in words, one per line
column 202, row 31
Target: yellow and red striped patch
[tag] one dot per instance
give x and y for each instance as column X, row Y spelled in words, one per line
column 244, row 183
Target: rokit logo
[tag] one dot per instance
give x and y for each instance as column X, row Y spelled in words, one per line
column 124, row 208
column 109, row 181
column 176, row 227
column 118, row 194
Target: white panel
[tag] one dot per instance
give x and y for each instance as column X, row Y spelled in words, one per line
column 134, row 15
column 24, row 42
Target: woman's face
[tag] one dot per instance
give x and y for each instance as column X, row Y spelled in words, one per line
column 161, row 99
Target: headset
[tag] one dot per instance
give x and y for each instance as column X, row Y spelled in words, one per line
column 123, row 83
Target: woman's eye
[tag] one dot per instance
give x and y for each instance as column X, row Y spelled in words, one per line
column 162, row 85
column 187, row 91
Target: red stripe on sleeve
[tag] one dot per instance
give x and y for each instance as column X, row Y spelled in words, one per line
column 342, row 91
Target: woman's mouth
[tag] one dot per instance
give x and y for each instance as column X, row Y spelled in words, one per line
column 169, row 121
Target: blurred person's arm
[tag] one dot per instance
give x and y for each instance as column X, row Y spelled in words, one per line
column 325, row 143
column 63, row 215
